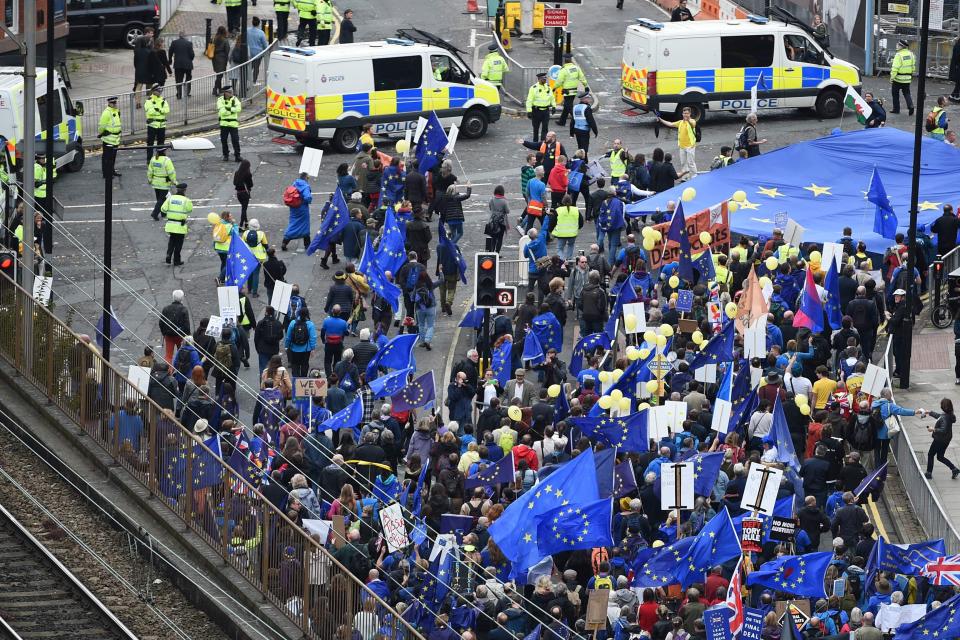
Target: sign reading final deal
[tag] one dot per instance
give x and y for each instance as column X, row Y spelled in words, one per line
column 716, row 220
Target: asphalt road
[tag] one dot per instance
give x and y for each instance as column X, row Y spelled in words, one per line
column 139, row 243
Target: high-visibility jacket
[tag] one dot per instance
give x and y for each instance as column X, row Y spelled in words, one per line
column 903, row 66
column 160, row 172
column 539, row 96
column 306, row 8
column 259, row 248
column 229, row 111
column 281, row 6
column 570, row 77
column 244, row 319
column 494, row 66
column 110, row 127
column 225, row 245
column 232, row 3
column 177, row 208
column 618, row 165
column 324, row 15
column 568, row 222
column 937, row 111
column 156, row 109
column 723, row 275
column 40, row 179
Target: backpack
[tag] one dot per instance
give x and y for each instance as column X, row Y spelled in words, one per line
column 603, row 582
column 300, row 334
column 223, row 357
column 182, row 362
column 251, row 238
column 412, row 276
column 930, row 122
column 742, row 138
column 424, row 298
column 863, row 436
column 221, row 232
column 292, row 197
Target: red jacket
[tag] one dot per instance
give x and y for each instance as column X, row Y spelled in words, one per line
column 557, row 180
column 523, row 452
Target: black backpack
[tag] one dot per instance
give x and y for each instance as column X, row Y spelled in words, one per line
column 742, row 138
column 300, row 334
column 863, row 437
column 182, row 362
column 251, row 238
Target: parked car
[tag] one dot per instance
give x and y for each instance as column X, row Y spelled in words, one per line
column 125, row 20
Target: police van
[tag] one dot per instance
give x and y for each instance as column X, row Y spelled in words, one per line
column 329, row 93
column 714, row 64
column 67, row 131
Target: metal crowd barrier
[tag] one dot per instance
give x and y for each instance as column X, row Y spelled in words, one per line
column 922, row 495
column 513, row 272
column 197, row 104
column 939, row 48
column 271, row 552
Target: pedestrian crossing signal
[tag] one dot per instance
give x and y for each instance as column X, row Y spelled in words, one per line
column 8, row 264
column 488, row 293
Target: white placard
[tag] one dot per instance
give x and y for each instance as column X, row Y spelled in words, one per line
column 215, row 327
column 831, row 251
column 281, row 297
column 310, row 161
column 668, row 485
column 394, row 529
column 936, row 16
column 637, row 309
column 408, row 137
column 722, row 409
column 874, row 380
column 793, row 234
column 755, row 339
column 706, row 374
column 767, row 292
column 421, row 125
column 756, row 374
column 319, row 527
column 139, row 377
column 42, row 289
column 889, row 618
column 228, row 299
column 752, row 498
column 452, row 137
column 676, row 411
column 658, row 427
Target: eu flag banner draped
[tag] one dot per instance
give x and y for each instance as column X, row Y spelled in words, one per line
column 500, row 472
column 240, row 262
column 810, row 311
column 678, row 233
column 515, row 530
column 416, row 394
column 799, row 575
column 391, row 253
column 667, row 565
column 629, row 433
column 831, row 285
column 334, row 221
column 349, row 417
column 942, row 622
column 500, row 362
column 909, row 559
column 206, row 466
column 884, row 217
column 585, row 345
column 548, row 331
column 532, row 351
column 716, row 543
column 576, row 526
column 391, row 383
column 718, row 349
column 376, row 277
column 396, row 354
column 779, row 436
column 430, row 144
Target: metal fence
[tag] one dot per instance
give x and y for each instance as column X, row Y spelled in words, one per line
column 198, row 101
column 939, row 48
column 923, row 498
column 520, row 78
column 513, row 272
column 276, row 556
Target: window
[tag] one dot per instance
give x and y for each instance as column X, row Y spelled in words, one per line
column 68, row 105
column 445, row 69
column 107, row 4
column 77, row 5
column 390, row 74
column 11, row 15
column 800, row 49
column 57, row 110
column 746, row 51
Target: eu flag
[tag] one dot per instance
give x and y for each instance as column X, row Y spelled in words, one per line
column 810, row 311
column 624, row 479
column 500, row 362
column 576, row 527
column 473, row 319
column 396, row 354
column 532, row 351
column 779, row 436
column 718, row 349
column 515, row 531
column 909, row 559
column 115, row 327
column 799, row 575
column 430, row 144
column 629, row 433
column 376, row 277
column 391, row 253
column 417, row 393
column 336, row 218
column 665, row 566
column 942, row 622
column 703, row 267
column 418, row 492
column 207, row 471
column 605, row 461
column 446, row 246
column 716, row 543
column 705, row 471
column 500, row 472
column 386, row 490
column 884, row 218
column 391, row 383
column 873, row 482
column 831, row 284
column 240, row 262
column 348, row 417
column 626, row 295
column 172, row 472
column 245, row 467
column 636, row 371
column 561, row 406
column 437, row 587
column 548, row 331
column 678, row 233
column 587, row 344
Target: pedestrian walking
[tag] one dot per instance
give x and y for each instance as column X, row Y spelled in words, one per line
column 687, row 140
column 162, row 176
column 256, row 44
column 174, row 324
column 942, row 432
column 141, row 65
column 228, row 113
column 901, row 75
column 266, row 337
column 282, row 9
column 324, row 21
column 234, row 10
column 569, row 223
column 448, row 266
column 569, row 79
column 307, row 11
column 222, row 232
column 156, row 109
column 159, row 63
column 181, row 56
column 450, row 209
column 747, row 139
column 498, row 223
column 610, row 223
column 301, row 340
column 539, row 104
column 298, row 225
column 347, row 28
column 257, row 241
column 425, row 305
column 177, row 209
column 221, row 56
column 243, row 184
column 583, row 122
column 333, row 331
column 108, row 130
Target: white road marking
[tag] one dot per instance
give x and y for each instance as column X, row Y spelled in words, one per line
column 473, row 37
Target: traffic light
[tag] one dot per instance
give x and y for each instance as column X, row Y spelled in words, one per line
column 8, row 264
column 485, row 294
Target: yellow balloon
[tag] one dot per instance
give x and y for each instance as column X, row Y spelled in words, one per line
column 657, row 544
column 688, row 194
column 764, row 281
column 633, row 355
column 771, row 263
column 604, row 376
column 605, row 402
column 661, row 341
column 731, row 309
column 674, row 282
column 657, row 236
column 213, row 218
column 805, row 409
column 732, row 206
column 815, row 256
column 644, row 354
column 649, row 336
column 801, row 400
column 646, row 232
column 666, row 330
column 630, row 320
column 697, row 337
column 652, row 386
column 625, row 405
column 553, row 390
column 630, row 349
column 615, row 374
column 402, row 146
column 705, row 237
column 649, row 243
column 514, row 413
column 643, row 406
column 739, row 195
column 616, row 394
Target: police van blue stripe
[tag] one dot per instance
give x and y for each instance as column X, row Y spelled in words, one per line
column 409, row 100
column 459, row 96
column 813, row 76
column 359, row 102
column 702, row 78
column 751, row 77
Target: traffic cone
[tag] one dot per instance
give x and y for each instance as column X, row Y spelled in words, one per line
column 472, row 7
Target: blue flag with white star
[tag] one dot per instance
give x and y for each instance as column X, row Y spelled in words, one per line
column 396, row 354
column 500, row 472
column 376, row 278
column 576, row 526
column 417, row 393
column 719, row 348
column 884, row 218
column 335, row 218
column 944, row 620
column 779, row 436
column 705, row 471
column 515, row 531
column 532, row 351
column 831, row 285
column 431, row 143
column 348, row 417
column 586, row 344
column 500, row 362
column 391, row 253
column 678, row 233
column 548, row 331
column 798, row 575
column 391, row 383
column 240, row 262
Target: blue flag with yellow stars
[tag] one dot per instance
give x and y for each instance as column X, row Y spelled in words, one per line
column 430, row 144
column 716, row 543
column 334, row 221
column 783, row 508
column 908, row 559
column 548, row 331
column 779, row 436
column 718, row 349
column 391, row 383
column 586, row 344
column 500, row 362
column 240, row 263
column 207, row 471
column 798, row 575
column 387, row 490
column 626, row 295
column 629, row 433
column 418, row 491
column 705, row 471
column 678, row 233
column 245, row 467
column 391, row 253
column 606, row 461
column 473, row 319
column 831, row 285
column 624, row 479
column 884, row 217
column 515, row 531
column 437, row 587
column 703, row 267
column 396, row 354
column 174, row 466
column 940, row 623
column 532, row 351
column 576, row 526
column 446, row 246
column 561, row 406
column 500, row 472
column 376, row 278
column 417, row 393
column 348, row 417
column 664, row 566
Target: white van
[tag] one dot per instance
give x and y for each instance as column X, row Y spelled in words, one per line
column 714, row 64
column 328, row 93
column 67, row 134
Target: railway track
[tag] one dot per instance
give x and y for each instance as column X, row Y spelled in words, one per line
column 41, row 598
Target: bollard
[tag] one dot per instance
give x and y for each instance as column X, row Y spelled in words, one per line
column 567, row 48
column 102, row 22
column 268, row 29
column 208, row 33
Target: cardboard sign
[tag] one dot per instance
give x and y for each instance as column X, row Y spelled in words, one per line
column 310, row 387
column 673, row 474
column 685, row 300
column 394, row 529
column 793, row 234
column 782, row 529
column 280, row 301
column 421, row 125
column 799, row 609
column 755, row 339
column 722, row 411
column 706, row 374
column 42, row 289
column 310, row 163
column 639, row 311
column 717, row 223
column 874, row 380
column 831, row 251
column 139, row 377
column 760, row 493
column 597, row 609
column 320, row 528
column 228, row 299
column 452, row 137
column 752, row 624
column 658, row 426
column 688, row 325
column 215, row 327
column 339, row 531
column 751, row 540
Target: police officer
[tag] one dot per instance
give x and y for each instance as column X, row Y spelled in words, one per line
column 228, row 112
column 901, row 75
column 539, row 103
column 494, row 66
column 324, row 21
column 162, row 176
column 177, row 209
column 234, row 14
column 308, row 20
column 900, row 327
column 583, row 123
column 282, row 7
column 156, row 109
column 570, row 78
column 40, row 178
column 109, row 133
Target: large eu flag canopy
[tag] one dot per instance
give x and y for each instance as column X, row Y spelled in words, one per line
column 820, row 182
